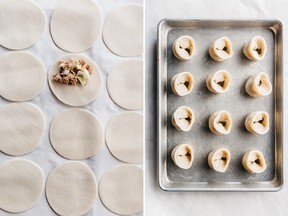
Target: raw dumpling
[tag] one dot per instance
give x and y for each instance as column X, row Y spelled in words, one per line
column 257, row 122
column 219, row 81
column 255, row 49
column 219, row 160
column 258, row 85
column 220, row 122
column 221, row 49
column 183, row 118
column 183, row 47
column 182, row 83
column 183, row 155
column 254, row 162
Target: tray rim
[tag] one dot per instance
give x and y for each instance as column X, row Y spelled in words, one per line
column 273, row 186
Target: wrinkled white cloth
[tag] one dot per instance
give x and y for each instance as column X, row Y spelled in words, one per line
column 103, row 107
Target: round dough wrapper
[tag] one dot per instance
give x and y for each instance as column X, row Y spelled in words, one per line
column 22, row 127
column 124, row 137
column 22, row 183
column 71, row 189
column 123, row 31
column 76, row 134
column 76, row 95
column 125, row 84
column 22, row 24
column 76, row 24
column 121, row 189
column 22, row 76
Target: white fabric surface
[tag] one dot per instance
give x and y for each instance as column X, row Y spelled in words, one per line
column 159, row 203
column 103, row 107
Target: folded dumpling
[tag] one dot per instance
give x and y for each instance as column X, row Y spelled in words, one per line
column 219, row 81
column 258, row 85
column 219, row 160
column 255, row 49
column 183, row 155
column 221, row 49
column 254, row 162
column 183, row 47
column 183, row 118
column 257, row 122
column 220, row 122
column 182, row 83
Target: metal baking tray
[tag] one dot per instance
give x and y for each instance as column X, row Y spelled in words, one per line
column 236, row 101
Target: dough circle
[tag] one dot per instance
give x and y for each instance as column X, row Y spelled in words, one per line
column 124, row 137
column 71, row 189
column 22, row 183
column 76, row 134
column 22, row 127
column 121, row 190
column 22, row 76
column 125, row 84
column 76, row 95
column 22, row 24
column 76, row 24
column 123, row 31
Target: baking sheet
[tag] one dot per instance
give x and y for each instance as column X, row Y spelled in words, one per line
column 103, row 107
column 236, row 101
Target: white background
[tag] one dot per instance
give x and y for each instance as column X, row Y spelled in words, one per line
column 159, row 203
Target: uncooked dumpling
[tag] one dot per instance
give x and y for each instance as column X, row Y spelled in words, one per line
column 76, row 95
column 123, row 31
column 219, row 81
column 183, row 156
column 258, row 85
column 124, row 137
column 76, row 24
column 257, row 122
column 220, row 122
column 183, row 118
column 21, row 128
column 22, row 24
column 221, row 49
column 22, row 76
column 76, row 134
column 22, row 183
column 182, row 83
column 219, row 160
column 254, row 161
column 183, row 47
column 255, row 49
column 125, row 84
column 121, row 190
column 71, row 189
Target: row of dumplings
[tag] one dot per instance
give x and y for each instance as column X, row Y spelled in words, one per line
column 220, row 122
column 219, row 82
column 253, row 161
column 221, row 49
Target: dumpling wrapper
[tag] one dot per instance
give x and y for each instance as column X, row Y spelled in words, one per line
column 76, row 134
column 125, row 84
column 22, row 76
column 71, row 189
column 124, row 137
column 22, row 183
column 121, row 190
column 123, row 31
column 76, row 24
column 22, row 127
column 22, row 24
